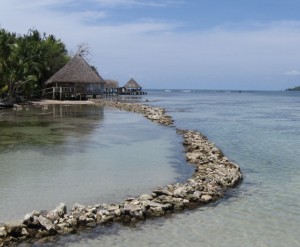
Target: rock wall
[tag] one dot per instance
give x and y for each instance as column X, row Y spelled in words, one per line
column 155, row 114
column 213, row 175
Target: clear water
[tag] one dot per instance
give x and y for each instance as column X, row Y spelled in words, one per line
column 258, row 130
column 83, row 154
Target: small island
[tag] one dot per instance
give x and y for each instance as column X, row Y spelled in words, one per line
column 293, row 89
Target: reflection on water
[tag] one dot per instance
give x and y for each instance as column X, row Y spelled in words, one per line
column 259, row 131
column 83, row 154
column 49, row 126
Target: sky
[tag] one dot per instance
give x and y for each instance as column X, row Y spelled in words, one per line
column 169, row 44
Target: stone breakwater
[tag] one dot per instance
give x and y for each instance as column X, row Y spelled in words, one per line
column 213, row 175
column 155, row 114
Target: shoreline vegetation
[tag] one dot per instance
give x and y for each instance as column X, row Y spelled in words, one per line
column 293, row 89
column 214, row 174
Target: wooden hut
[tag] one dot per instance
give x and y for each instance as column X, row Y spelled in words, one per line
column 132, row 87
column 77, row 80
column 111, row 87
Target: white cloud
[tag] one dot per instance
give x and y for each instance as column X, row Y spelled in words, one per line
column 161, row 54
column 88, row 16
column 132, row 3
column 292, row 72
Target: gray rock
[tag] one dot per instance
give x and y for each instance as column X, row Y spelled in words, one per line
column 130, row 207
column 197, row 194
column 118, row 212
column 25, row 232
column 106, row 219
column 78, row 208
column 206, row 198
column 164, row 206
column 192, row 157
column 66, row 230
column 99, row 218
column 28, row 217
column 58, row 212
column 178, row 204
column 153, row 204
column 113, row 207
column 135, row 202
column 3, row 232
column 156, row 211
column 88, row 220
column 180, row 192
column 82, row 219
column 72, row 222
column 160, row 191
column 14, row 228
column 137, row 214
column 46, row 223
column 103, row 212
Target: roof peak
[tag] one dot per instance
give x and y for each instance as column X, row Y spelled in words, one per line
column 76, row 70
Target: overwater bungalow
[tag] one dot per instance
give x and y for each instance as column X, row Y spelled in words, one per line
column 111, row 87
column 132, row 88
column 76, row 80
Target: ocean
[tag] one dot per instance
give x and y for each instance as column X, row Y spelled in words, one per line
column 92, row 155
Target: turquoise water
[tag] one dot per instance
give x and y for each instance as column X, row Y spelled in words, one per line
column 258, row 130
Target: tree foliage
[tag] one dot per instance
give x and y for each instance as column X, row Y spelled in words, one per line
column 293, row 89
column 27, row 61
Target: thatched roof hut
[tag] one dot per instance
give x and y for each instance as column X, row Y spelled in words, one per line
column 111, row 84
column 76, row 79
column 132, row 84
column 77, row 70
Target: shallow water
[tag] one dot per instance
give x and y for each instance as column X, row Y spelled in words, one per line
column 83, row 154
column 260, row 132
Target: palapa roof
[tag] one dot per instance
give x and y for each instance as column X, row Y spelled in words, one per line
column 132, row 84
column 111, row 84
column 76, row 70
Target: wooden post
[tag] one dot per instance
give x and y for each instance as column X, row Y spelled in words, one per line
column 60, row 93
column 53, row 91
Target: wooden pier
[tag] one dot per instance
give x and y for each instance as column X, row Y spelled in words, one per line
column 62, row 93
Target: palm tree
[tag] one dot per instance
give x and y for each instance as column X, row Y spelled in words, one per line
column 26, row 61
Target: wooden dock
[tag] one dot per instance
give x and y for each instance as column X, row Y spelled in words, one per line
column 62, row 93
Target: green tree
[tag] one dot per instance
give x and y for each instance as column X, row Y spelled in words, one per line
column 27, row 61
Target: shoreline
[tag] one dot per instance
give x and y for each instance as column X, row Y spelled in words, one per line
column 214, row 174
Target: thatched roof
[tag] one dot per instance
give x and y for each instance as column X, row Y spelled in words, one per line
column 132, row 84
column 76, row 70
column 111, row 84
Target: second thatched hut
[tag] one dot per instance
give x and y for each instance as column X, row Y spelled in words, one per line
column 132, row 88
column 111, row 87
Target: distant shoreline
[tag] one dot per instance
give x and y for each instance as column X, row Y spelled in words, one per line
column 294, row 89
